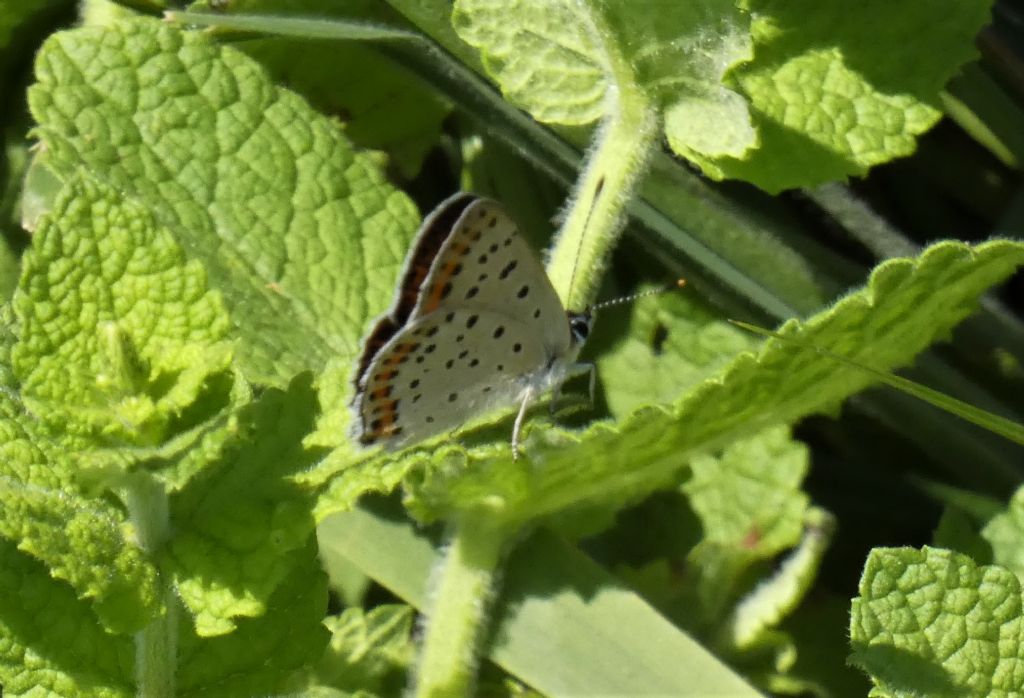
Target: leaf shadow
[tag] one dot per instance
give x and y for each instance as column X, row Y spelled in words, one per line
column 39, row 612
column 244, row 510
column 902, row 671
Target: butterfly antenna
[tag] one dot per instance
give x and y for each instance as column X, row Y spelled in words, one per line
column 678, row 283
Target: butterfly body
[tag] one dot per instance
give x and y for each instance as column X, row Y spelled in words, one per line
column 475, row 325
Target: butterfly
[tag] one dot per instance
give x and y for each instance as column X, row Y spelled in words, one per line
column 475, row 325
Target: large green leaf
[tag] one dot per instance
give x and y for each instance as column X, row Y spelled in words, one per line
column 301, row 235
column 829, row 87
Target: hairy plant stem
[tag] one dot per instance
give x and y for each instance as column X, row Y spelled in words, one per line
column 155, row 644
column 459, row 599
column 613, row 169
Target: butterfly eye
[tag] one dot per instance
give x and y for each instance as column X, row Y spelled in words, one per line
column 579, row 325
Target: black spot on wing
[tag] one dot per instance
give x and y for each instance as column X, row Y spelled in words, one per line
column 508, row 269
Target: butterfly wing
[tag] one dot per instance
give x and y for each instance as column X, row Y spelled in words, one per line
column 475, row 321
column 442, row 370
column 486, row 265
column 426, row 244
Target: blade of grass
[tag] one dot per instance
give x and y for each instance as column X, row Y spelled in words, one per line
column 993, row 422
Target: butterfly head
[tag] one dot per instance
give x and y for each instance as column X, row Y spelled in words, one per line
column 579, row 326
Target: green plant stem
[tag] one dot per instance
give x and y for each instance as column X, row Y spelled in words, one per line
column 155, row 644
column 462, row 589
column 613, row 168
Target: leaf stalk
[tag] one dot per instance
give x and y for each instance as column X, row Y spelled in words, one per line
column 611, row 173
column 461, row 592
column 156, row 644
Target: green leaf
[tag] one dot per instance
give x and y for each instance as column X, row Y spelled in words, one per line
column 749, row 497
column 302, row 236
column 265, row 655
column 382, row 105
column 671, row 342
column 540, row 56
column 242, row 521
column 117, row 332
column 50, row 641
column 907, row 304
column 81, row 541
column 751, row 507
column 829, row 88
column 552, row 60
column 932, row 622
column 368, row 650
column 1005, row 533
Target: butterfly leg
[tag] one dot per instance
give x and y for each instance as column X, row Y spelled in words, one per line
column 528, row 396
column 592, row 371
column 556, row 393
